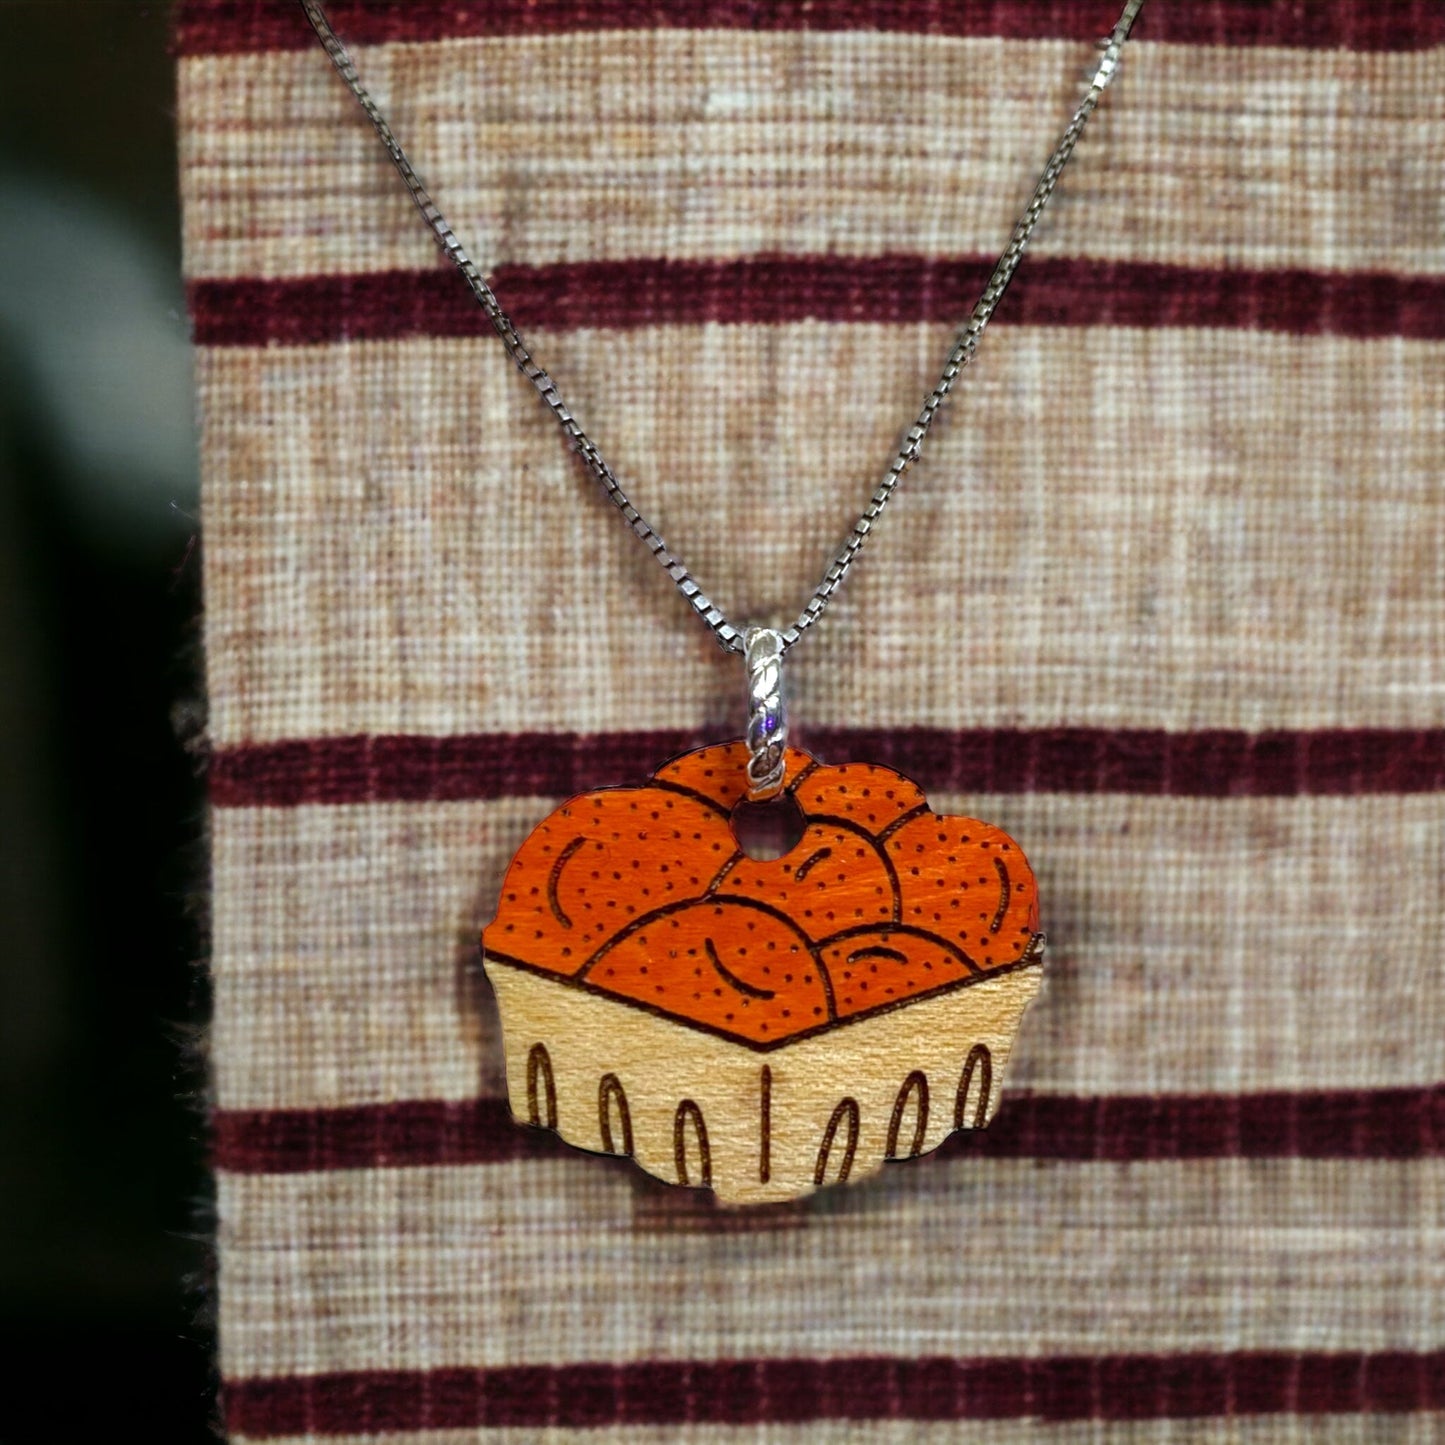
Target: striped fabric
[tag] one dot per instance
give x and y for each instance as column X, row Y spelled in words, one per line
column 1166, row 601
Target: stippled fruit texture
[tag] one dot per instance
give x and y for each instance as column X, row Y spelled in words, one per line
column 644, row 894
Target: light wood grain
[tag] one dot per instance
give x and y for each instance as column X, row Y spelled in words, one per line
column 765, row 1144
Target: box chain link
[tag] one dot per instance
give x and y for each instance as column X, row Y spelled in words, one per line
column 730, row 636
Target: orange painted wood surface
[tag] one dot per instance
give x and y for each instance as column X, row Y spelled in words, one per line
column 644, row 893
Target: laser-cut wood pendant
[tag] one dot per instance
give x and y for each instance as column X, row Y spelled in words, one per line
column 761, row 1028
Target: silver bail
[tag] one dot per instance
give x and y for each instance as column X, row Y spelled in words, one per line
column 767, row 718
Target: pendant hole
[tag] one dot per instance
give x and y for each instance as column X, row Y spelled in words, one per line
column 766, row 831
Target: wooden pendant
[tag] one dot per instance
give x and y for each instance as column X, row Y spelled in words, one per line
column 761, row 1028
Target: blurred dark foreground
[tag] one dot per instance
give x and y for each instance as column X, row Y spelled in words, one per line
column 103, row 1191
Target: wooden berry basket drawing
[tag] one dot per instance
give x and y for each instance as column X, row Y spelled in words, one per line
column 761, row 1028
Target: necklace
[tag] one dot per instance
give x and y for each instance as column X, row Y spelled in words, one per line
column 759, row 1027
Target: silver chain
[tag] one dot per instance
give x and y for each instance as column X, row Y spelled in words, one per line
column 731, row 637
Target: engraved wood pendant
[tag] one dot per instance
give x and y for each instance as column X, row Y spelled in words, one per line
column 761, row 1028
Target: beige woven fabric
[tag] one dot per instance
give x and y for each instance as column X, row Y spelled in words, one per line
column 345, row 990
column 1221, row 536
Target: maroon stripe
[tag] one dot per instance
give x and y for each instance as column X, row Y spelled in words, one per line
column 769, row 290
column 1370, row 1124
column 228, row 26
column 1364, row 1124
column 796, row 1391
column 375, row 1136
column 1140, row 762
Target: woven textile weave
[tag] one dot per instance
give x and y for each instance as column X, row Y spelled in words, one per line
column 1165, row 600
